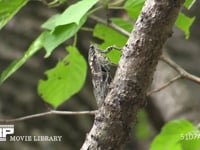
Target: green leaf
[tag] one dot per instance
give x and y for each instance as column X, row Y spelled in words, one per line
column 171, row 134
column 34, row 47
column 184, row 23
column 65, row 80
column 50, row 24
column 189, row 3
column 72, row 14
column 126, row 25
column 8, row 8
column 133, row 7
column 110, row 37
column 142, row 128
column 61, row 30
column 64, row 26
column 60, row 34
column 191, row 141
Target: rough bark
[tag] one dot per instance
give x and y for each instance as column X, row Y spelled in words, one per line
column 134, row 74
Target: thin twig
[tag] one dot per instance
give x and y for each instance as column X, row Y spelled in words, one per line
column 192, row 77
column 165, row 85
column 87, row 29
column 180, row 70
column 117, row 2
column 172, row 64
column 182, row 74
column 114, row 26
column 51, row 112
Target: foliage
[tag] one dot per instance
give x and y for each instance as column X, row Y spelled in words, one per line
column 142, row 128
column 34, row 47
column 110, row 37
column 65, row 79
column 8, row 8
column 183, row 22
column 61, row 29
column 68, row 76
column 177, row 135
column 58, row 29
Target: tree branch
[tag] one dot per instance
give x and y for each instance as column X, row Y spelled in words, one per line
column 180, row 70
column 51, row 112
column 134, row 74
column 114, row 26
column 164, row 85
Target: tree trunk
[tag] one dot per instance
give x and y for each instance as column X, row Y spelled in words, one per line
column 134, row 74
